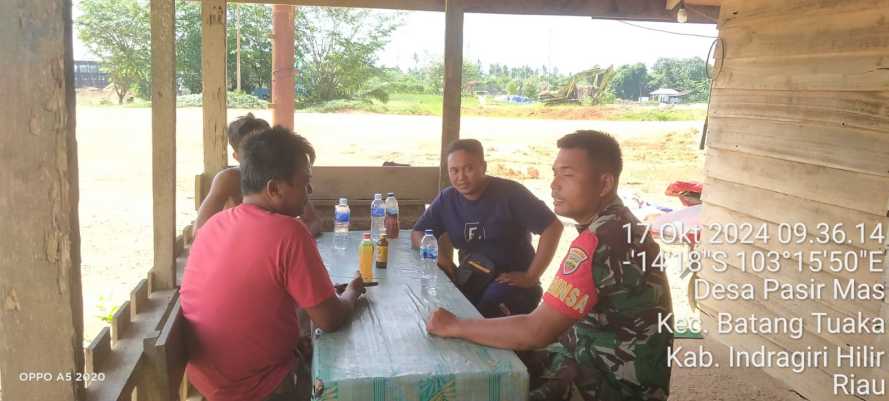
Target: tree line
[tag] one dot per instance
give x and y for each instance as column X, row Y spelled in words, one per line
column 336, row 56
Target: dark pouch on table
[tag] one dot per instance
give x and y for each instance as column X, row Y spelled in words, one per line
column 473, row 276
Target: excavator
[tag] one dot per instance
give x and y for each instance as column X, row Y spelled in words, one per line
column 597, row 77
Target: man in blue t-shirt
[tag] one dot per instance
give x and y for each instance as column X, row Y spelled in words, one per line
column 493, row 218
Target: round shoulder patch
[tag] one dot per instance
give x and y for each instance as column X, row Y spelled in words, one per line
column 572, row 261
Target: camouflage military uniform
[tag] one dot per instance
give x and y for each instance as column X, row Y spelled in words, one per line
column 614, row 351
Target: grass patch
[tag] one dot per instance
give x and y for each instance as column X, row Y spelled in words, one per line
column 648, row 113
column 235, row 100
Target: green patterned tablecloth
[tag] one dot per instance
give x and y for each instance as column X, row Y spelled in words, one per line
column 386, row 354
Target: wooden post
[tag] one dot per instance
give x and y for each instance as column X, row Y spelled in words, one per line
column 41, row 312
column 453, row 77
column 282, row 65
column 213, row 67
column 163, row 139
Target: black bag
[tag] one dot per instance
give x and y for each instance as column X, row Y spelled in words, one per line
column 473, row 276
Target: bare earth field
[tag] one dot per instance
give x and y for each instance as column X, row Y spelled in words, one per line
column 114, row 151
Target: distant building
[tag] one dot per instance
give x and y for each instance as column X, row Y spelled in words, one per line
column 668, row 96
column 88, row 74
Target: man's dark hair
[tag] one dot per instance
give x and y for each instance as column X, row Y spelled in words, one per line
column 243, row 127
column 601, row 148
column 275, row 153
column 471, row 146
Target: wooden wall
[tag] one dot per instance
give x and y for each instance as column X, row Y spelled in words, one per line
column 799, row 133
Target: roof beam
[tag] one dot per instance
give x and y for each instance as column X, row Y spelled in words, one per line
column 640, row 10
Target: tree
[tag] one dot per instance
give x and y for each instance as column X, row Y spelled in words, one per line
column 688, row 75
column 337, row 50
column 631, row 82
column 256, row 47
column 118, row 32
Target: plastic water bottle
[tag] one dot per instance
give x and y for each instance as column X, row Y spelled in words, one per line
column 377, row 217
column 428, row 257
column 341, row 217
column 392, row 225
column 428, row 252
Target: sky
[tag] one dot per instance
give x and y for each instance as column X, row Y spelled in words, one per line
column 571, row 44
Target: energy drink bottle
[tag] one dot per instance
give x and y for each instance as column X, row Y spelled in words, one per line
column 382, row 252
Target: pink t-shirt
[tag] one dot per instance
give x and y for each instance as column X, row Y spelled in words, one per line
column 248, row 271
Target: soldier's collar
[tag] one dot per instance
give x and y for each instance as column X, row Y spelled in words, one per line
column 608, row 209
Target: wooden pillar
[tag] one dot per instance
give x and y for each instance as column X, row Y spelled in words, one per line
column 41, row 305
column 282, row 65
column 213, row 66
column 453, row 77
column 163, row 140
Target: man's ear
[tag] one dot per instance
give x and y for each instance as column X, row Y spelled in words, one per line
column 608, row 183
column 273, row 188
column 235, row 156
column 484, row 167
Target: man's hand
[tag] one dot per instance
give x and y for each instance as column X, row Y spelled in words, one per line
column 518, row 279
column 442, row 323
column 357, row 284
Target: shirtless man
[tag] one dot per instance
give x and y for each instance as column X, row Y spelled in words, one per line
column 225, row 191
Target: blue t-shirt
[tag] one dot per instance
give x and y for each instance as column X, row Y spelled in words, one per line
column 498, row 225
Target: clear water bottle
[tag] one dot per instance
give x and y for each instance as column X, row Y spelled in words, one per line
column 428, row 252
column 428, row 258
column 392, row 225
column 341, row 217
column 377, row 217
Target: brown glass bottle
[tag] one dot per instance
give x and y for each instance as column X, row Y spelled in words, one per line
column 382, row 252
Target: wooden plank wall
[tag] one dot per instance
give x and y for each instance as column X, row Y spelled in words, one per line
column 799, row 133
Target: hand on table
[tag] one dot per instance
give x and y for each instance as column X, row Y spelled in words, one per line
column 518, row 279
column 357, row 285
column 441, row 323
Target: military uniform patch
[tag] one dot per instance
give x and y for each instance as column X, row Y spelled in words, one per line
column 572, row 261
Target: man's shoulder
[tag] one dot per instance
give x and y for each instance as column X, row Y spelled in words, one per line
column 228, row 180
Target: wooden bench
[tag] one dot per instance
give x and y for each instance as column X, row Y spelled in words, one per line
column 414, row 187
column 166, row 355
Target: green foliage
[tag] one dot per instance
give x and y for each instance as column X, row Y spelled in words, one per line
column 236, row 100
column 337, row 51
column 255, row 25
column 631, row 82
column 105, row 313
column 661, row 114
column 117, row 31
column 683, row 75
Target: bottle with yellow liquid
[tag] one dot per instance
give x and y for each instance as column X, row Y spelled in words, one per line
column 366, row 258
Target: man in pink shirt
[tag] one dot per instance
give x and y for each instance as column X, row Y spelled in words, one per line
column 250, row 269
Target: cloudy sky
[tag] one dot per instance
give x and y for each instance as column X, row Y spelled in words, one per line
column 570, row 43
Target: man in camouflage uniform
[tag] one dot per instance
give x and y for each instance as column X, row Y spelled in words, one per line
column 604, row 304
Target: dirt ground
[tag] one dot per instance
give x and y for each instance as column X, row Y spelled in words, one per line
column 114, row 151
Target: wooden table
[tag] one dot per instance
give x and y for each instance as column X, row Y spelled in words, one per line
column 385, row 352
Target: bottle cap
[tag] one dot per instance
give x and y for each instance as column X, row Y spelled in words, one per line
column 366, row 235
column 392, row 194
column 378, row 196
column 428, row 231
column 344, row 201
